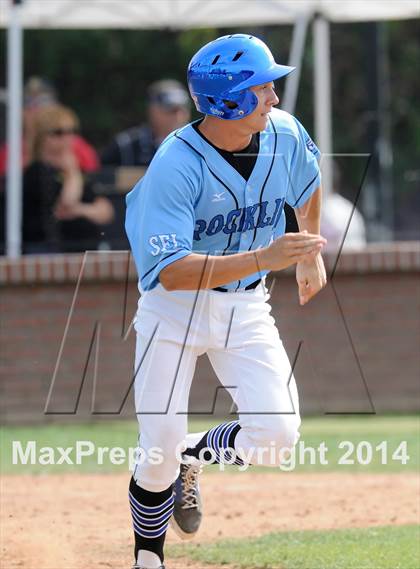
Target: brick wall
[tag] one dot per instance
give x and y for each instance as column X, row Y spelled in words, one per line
column 355, row 347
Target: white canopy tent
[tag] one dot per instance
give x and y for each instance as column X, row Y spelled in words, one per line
column 183, row 14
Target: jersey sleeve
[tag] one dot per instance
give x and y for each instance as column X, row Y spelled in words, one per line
column 305, row 176
column 160, row 219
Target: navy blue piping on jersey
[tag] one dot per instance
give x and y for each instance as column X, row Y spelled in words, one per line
column 160, row 260
column 217, row 178
column 264, row 185
column 306, row 187
column 268, row 175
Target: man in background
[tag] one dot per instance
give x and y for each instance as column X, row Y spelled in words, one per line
column 168, row 108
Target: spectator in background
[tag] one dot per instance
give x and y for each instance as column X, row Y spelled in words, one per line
column 341, row 223
column 168, row 109
column 40, row 94
column 60, row 210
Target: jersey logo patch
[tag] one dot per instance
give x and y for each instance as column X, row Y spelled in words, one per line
column 218, row 197
column 162, row 243
column 310, row 145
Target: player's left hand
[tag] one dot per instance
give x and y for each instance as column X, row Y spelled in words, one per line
column 311, row 278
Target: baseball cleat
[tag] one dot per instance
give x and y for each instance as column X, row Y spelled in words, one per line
column 186, row 518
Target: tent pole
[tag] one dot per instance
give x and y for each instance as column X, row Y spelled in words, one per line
column 323, row 106
column 384, row 132
column 14, row 134
column 295, row 60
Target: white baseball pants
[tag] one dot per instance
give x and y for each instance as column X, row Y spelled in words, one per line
column 243, row 345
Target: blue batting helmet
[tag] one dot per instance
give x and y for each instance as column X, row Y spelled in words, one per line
column 221, row 73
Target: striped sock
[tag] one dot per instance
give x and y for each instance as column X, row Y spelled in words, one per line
column 216, row 442
column 150, row 512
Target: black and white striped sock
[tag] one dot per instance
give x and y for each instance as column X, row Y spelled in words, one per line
column 150, row 512
column 213, row 447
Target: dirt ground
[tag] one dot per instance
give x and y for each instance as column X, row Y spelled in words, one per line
column 82, row 522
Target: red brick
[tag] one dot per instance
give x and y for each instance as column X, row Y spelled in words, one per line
column 379, row 307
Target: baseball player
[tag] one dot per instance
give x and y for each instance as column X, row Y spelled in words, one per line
column 206, row 225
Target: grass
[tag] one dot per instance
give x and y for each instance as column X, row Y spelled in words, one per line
column 394, row 547
column 331, row 430
column 368, row 548
column 103, row 434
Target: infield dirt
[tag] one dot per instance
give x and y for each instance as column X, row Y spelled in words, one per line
column 83, row 521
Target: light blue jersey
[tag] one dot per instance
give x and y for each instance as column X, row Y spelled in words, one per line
column 191, row 200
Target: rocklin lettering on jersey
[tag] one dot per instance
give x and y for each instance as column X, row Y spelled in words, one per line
column 243, row 219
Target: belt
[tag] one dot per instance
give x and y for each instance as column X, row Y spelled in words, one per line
column 248, row 287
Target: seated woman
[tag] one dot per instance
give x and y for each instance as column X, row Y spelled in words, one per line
column 60, row 210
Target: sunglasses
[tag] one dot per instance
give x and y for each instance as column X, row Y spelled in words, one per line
column 61, row 131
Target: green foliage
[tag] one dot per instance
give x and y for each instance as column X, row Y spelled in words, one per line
column 364, row 548
column 103, row 75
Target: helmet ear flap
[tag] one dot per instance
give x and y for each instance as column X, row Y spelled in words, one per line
column 240, row 104
column 232, row 106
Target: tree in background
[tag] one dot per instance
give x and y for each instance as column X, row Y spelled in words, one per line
column 103, row 75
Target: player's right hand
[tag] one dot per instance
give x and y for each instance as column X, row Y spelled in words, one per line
column 290, row 249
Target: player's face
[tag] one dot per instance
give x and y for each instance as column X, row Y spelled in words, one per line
column 267, row 99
